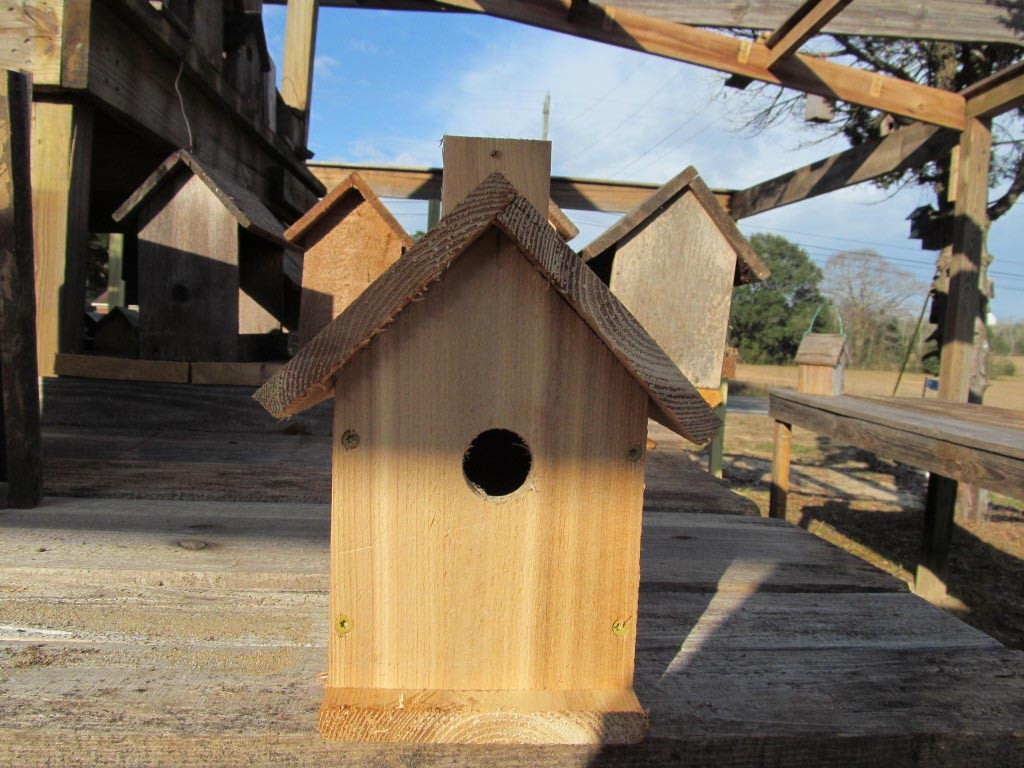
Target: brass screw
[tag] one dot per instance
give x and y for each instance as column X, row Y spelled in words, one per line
column 635, row 453
column 619, row 627
column 349, row 439
column 343, row 625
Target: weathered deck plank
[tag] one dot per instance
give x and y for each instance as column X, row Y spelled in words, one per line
column 758, row 644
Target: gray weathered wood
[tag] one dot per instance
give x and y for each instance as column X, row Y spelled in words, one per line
column 20, row 441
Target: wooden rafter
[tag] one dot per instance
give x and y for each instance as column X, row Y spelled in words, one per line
column 996, row 94
column 908, row 147
column 635, row 31
column 569, row 193
column 974, row 21
column 804, row 24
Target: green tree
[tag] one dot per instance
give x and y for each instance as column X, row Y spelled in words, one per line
column 769, row 318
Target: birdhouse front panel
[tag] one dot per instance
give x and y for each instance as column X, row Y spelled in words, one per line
column 675, row 274
column 188, row 274
column 488, row 476
column 346, row 250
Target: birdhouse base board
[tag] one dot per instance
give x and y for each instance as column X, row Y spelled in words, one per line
column 482, row 717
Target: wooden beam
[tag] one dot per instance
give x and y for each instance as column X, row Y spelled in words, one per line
column 996, row 94
column 635, row 31
column 569, row 193
column 61, row 168
column 21, row 440
column 969, row 229
column 977, row 21
column 806, row 22
column 908, row 147
column 299, row 50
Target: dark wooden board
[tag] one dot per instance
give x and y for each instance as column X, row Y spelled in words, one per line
column 20, row 447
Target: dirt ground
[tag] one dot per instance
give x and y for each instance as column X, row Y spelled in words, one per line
column 873, row 507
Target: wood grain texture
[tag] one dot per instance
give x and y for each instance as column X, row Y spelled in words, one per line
column 299, row 50
column 568, row 193
column 997, row 93
column 468, row 161
column 675, row 275
column 964, row 20
column 349, row 238
column 482, row 717
column 218, row 665
column 561, row 223
column 909, row 147
column 19, row 405
column 188, row 273
column 749, row 267
column 706, row 48
column 241, row 202
column 61, row 168
column 970, row 227
column 985, row 455
column 120, row 368
column 406, row 522
column 30, row 38
column 307, row 379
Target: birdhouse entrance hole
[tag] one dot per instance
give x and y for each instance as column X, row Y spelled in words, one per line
column 496, row 463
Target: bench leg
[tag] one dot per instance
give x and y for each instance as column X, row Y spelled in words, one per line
column 780, row 470
column 717, row 455
column 930, row 581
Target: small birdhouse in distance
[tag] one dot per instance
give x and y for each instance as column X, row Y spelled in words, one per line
column 821, row 364
column 216, row 277
column 349, row 238
column 673, row 261
column 491, row 399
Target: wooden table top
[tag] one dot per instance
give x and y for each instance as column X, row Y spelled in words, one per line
column 191, row 632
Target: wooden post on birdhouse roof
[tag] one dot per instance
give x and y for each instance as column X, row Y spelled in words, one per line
column 490, row 421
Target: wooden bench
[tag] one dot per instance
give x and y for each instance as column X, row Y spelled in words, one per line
column 954, row 441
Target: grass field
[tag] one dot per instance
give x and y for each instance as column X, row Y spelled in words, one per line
column 872, row 507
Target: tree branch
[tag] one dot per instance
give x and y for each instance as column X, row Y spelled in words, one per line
column 1005, row 203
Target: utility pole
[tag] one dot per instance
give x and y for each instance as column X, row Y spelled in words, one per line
column 547, row 113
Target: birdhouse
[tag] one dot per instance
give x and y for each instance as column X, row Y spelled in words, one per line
column 491, row 399
column 821, row 364
column 349, row 238
column 216, row 279
column 117, row 333
column 673, row 261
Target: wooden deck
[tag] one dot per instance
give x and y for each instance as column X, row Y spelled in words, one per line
column 180, row 620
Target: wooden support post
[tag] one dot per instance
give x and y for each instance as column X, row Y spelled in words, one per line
column 21, row 439
column 718, row 441
column 115, row 264
column 468, row 161
column 299, row 51
column 433, row 213
column 930, row 580
column 780, row 470
column 61, row 167
column 969, row 230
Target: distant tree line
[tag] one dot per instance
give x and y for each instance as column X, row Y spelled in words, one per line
column 876, row 304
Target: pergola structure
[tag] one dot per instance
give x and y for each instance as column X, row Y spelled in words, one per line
column 677, row 29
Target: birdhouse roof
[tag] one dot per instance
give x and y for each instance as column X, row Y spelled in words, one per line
column 821, row 349
column 749, row 267
column 244, row 205
column 353, row 184
column 309, row 377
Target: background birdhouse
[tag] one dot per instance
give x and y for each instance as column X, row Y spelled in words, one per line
column 821, row 363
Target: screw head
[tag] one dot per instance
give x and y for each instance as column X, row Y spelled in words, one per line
column 619, row 627
column 343, row 625
column 349, row 439
column 635, row 453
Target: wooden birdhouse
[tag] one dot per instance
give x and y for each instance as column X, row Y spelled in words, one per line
column 673, row 261
column 821, row 364
column 117, row 333
column 216, row 278
column 491, row 399
column 349, row 238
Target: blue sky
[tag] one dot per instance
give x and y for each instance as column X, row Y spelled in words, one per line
column 388, row 85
